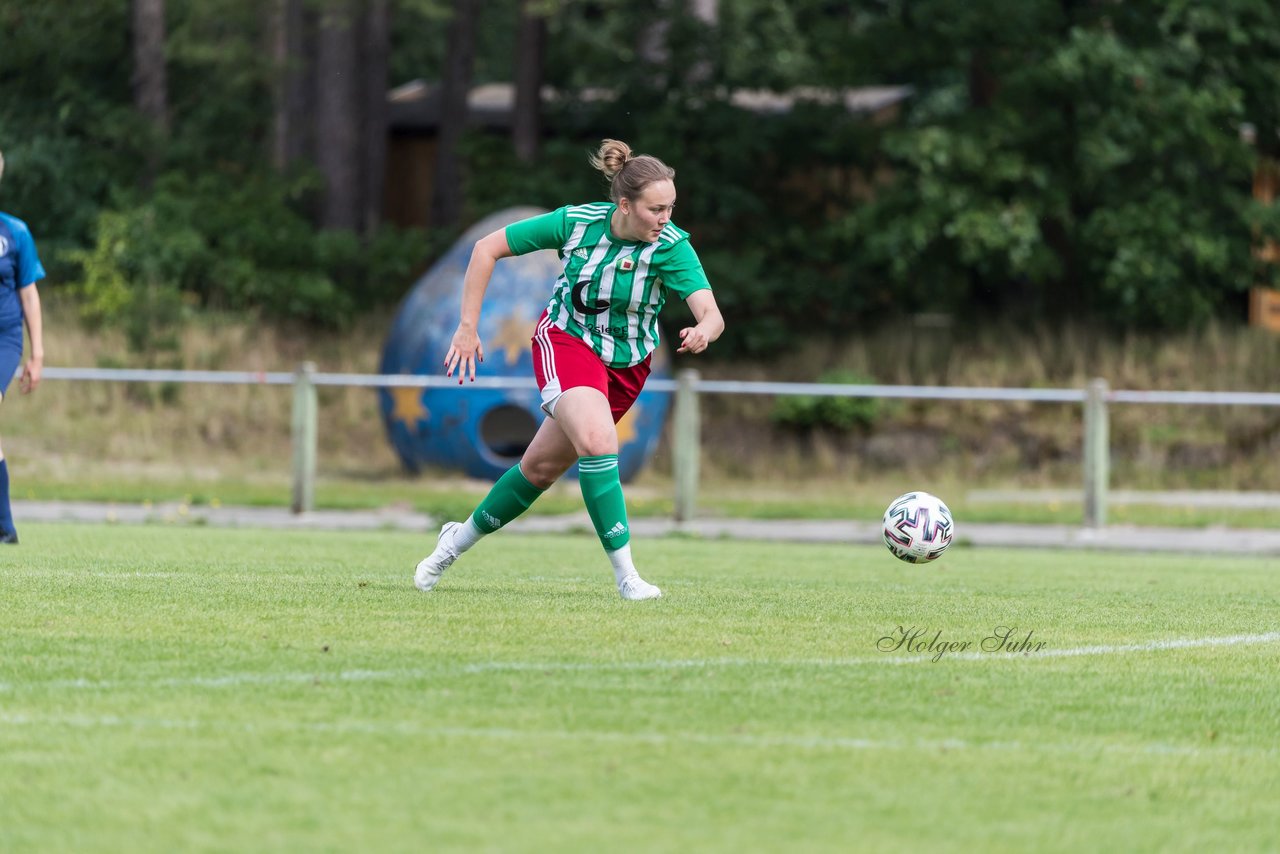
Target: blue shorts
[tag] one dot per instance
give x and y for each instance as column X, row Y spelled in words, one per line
column 10, row 356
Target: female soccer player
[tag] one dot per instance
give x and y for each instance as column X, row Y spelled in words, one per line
column 20, row 269
column 591, row 349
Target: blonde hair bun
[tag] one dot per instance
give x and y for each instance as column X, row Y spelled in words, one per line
column 628, row 173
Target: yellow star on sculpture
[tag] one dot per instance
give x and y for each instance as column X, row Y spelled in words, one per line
column 407, row 406
column 627, row 426
column 514, row 337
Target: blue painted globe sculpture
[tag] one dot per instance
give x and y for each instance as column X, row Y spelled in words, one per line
column 484, row 431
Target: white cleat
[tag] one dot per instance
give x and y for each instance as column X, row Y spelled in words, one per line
column 431, row 567
column 635, row 589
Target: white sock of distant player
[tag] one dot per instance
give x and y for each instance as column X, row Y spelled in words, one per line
column 621, row 560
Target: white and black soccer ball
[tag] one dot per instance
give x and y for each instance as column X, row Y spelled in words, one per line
column 918, row 527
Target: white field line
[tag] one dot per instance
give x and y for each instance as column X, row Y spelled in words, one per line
column 678, row 739
column 925, row 656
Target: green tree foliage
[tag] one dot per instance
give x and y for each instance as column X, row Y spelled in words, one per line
column 219, row 228
column 1079, row 157
column 1056, row 158
column 66, row 119
column 237, row 245
column 804, row 413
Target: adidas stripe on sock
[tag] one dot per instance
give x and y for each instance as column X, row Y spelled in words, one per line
column 602, row 492
column 509, row 497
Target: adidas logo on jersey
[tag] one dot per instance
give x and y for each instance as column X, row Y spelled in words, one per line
column 617, row 530
column 580, row 252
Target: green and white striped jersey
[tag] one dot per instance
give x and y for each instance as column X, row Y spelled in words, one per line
column 611, row 290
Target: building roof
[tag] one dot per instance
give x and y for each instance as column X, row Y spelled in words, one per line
column 416, row 105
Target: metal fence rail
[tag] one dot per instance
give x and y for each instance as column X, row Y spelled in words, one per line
column 687, row 387
column 916, row 392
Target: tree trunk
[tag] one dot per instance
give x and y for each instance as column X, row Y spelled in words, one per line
column 652, row 44
column 338, row 150
column 377, row 46
column 983, row 83
column 708, row 13
column 287, row 34
column 448, row 194
column 653, row 47
column 526, row 128
column 150, row 77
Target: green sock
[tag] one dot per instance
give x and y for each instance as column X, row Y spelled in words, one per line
column 602, row 491
column 510, row 497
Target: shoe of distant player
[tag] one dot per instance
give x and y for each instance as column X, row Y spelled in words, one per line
column 433, row 565
column 9, row 538
column 634, row 588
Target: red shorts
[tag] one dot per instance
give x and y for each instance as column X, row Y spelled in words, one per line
column 562, row 362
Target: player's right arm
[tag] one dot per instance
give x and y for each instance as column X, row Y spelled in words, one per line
column 34, row 366
column 545, row 231
column 466, row 350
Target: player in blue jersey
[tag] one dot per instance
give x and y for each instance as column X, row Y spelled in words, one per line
column 20, row 269
column 591, row 349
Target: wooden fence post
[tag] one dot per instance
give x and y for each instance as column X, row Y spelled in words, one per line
column 1097, row 456
column 304, row 439
column 686, row 444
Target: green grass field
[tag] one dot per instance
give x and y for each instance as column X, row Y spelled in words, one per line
column 199, row 689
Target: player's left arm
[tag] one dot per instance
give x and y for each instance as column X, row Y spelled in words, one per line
column 683, row 275
column 709, row 323
column 34, row 366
